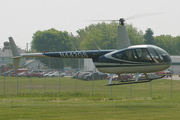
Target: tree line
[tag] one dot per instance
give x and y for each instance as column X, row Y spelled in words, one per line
column 103, row 34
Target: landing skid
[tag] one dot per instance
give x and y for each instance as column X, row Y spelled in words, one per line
column 133, row 82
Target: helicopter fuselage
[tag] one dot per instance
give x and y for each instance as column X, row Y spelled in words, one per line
column 142, row 58
column 127, row 60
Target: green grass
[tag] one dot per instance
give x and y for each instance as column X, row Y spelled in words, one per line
column 86, row 103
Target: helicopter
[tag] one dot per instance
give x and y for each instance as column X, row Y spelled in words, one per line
column 125, row 59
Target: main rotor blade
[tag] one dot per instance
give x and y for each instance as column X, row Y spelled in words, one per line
column 103, row 20
column 143, row 15
column 135, row 16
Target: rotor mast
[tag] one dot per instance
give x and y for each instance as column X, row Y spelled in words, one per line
column 121, row 21
column 122, row 36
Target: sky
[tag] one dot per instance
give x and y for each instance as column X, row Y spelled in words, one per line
column 20, row 19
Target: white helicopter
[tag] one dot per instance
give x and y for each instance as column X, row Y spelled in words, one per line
column 126, row 59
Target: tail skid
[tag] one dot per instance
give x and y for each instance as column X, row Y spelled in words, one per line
column 15, row 54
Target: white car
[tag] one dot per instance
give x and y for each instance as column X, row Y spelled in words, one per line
column 63, row 74
column 81, row 74
column 47, row 74
column 150, row 75
column 55, row 74
column 21, row 74
column 85, row 76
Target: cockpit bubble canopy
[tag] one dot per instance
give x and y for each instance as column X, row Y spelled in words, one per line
column 143, row 53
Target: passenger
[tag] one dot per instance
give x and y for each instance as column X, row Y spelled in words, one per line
column 130, row 55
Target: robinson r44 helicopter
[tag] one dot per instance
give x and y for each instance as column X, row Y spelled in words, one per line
column 125, row 59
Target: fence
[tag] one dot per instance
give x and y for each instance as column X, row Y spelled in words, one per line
column 18, row 85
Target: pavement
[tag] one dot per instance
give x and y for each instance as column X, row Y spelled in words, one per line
column 174, row 77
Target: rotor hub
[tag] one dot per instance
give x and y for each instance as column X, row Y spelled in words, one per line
column 121, row 21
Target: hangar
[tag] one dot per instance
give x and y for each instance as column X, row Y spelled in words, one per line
column 175, row 64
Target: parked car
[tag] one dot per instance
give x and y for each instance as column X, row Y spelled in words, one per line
column 25, row 74
column 40, row 74
column 80, row 75
column 165, row 72
column 13, row 74
column 7, row 73
column 63, row 74
column 56, row 74
column 32, row 74
column 150, row 75
column 47, row 74
column 103, row 76
column 21, row 74
column 75, row 75
column 141, row 76
column 125, row 77
column 95, row 76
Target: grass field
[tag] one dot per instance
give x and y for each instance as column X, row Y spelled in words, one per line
column 88, row 102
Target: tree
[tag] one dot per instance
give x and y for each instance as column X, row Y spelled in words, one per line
column 105, row 36
column 52, row 40
column 176, row 43
column 149, row 39
column 168, row 43
column 75, row 42
column 136, row 37
column 10, row 65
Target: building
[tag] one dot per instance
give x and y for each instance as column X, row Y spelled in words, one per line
column 6, row 54
column 89, row 65
column 175, row 64
column 33, row 64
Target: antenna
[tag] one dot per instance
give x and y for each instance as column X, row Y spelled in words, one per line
column 73, row 47
column 97, row 45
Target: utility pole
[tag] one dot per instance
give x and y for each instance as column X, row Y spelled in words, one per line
column 49, row 58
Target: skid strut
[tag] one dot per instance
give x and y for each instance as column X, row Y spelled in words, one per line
column 133, row 82
column 110, row 79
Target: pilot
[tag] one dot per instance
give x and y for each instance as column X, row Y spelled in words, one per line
column 144, row 55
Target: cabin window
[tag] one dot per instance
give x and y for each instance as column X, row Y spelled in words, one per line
column 143, row 55
column 131, row 55
column 120, row 55
column 126, row 55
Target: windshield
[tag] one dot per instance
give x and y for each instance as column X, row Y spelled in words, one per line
column 152, row 54
column 163, row 55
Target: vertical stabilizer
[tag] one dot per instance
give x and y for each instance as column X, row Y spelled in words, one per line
column 122, row 37
column 14, row 49
column 15, row 54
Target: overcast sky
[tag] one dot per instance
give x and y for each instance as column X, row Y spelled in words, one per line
column 22, row 18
